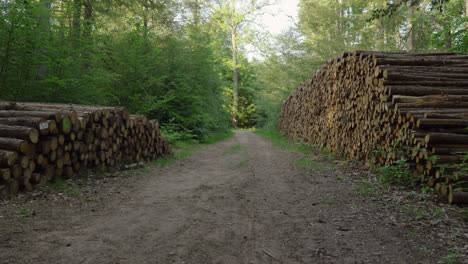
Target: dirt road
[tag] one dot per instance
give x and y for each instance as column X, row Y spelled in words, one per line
column 239, row 201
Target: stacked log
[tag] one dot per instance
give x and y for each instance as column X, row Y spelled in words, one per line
column 383, row 107
column 40, row 142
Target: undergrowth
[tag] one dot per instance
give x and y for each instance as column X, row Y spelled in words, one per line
column 61, row 185
column 397, row 174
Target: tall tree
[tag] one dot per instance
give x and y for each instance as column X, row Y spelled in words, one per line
column 409, row 26
column 234, row 17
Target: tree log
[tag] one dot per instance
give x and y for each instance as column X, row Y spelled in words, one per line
column 18, row 145
column 41, row 124
column 5, row 175
column 19, row 132
column 457, row 197
column 46, row 115
column 7, row 158
column 442, row 123
column 445, row 138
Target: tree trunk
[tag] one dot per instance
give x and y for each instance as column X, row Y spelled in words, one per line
column 466, row 8
column 43, row 28
column 196, row 12
column 145, row 19
column 383, row 35
column 235, row 76
column 88, row 18
column 447, row 27
column 76, row 23
column 87, row 29
column 6, row 57
column 409, row 27
column 339, row 22
column 448, row 39
column 466, row 12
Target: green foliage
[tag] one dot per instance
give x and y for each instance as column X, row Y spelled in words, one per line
column 453, row 257
column 213, row 138
column 180, row 151
column 458, row 170
column 367, row 188
column 283, row 142
column 248, row 89
column 174, row 134
column 63, row 186
column 59, row 53
column 25, row 212
column 399, row 173
column 278, row 75
column 309, row 165
column 174, row 60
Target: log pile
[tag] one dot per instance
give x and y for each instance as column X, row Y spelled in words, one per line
column 40, row 142
column 383, row 107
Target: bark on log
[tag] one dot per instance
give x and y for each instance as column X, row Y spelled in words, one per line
column 41, row 124
column 19, row 132
column 7, row 158
column 456, row 197
column 446, row 138
column 46, row 115
column 5, row 175
column 18, row 145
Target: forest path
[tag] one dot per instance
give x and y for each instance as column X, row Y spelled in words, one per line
column 238, row 201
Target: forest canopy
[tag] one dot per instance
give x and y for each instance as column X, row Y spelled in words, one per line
column 187, row 62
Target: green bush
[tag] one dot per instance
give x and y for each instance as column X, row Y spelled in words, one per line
column 398, row 173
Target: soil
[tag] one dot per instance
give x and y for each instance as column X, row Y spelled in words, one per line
column 242, row 200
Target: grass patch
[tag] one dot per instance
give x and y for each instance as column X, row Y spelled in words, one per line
column 25, row 212
column 328, row 202
column 309, row 164
column 422, row 213
column 314, row 159
column 285, row 143
column 240, row 164
column 464, row 215
column 142, row 170
column 398, row 174
column 236, row 148
column 217, row 137
column 453, row 257
column 184, row 149
column 366, row 188
column 414, row 212
column 243, row 163
column 62, row 186
column 425, row 250
column 180, row 150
